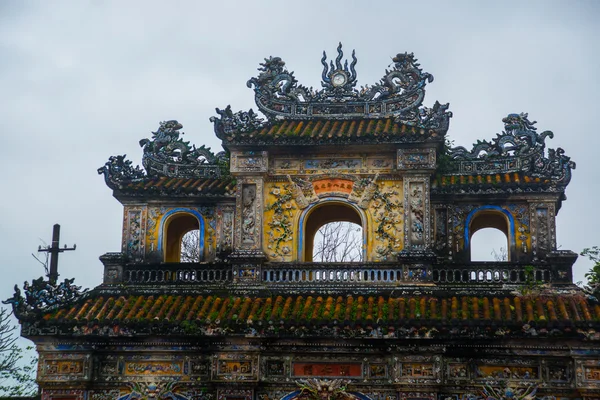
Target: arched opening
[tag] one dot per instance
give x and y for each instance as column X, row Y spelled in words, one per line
column 189, row 249
column 182, row 239
column 489, row 235
column 340, row 225
column 338, row 241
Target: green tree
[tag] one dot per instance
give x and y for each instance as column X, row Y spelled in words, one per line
column 593, row 276
column 17, row 373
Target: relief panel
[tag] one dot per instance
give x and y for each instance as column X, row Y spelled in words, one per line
column 248, row 224
column 225, row 219
column 416, row 159
column 134, row 223
column 64, row 367
column 235, row 367
column 416, row 212
column 249, row 162
column 327, row 370
column 328, row 163
column 543, row 229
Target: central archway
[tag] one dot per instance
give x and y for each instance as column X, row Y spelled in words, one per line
column 322, row 214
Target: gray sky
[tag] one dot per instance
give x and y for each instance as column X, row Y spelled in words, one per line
column 83, row 80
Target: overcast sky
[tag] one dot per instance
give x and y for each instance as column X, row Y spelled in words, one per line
column 84, row 80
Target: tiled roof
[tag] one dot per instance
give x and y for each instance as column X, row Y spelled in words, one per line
column 516, row 181
column 185, row 186
column 240, row 313
column 324, row 131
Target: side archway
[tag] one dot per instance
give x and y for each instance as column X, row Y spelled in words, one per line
column 494, row 217
column 174, row 226
column 326, row 211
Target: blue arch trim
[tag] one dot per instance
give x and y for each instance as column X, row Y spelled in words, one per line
column 162, row 233
column 511, row 223
column 322, row 202
column 290, row 396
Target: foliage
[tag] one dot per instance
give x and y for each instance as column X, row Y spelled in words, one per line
column 501, row 255
column 338, row 242
column 190, row 247
column 593, row 276
column 444, row 159
column 16, row 373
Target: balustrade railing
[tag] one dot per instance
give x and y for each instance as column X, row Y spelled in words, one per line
column 340, row 273
column 177, row 273
column 486, row 273
column 315, row 273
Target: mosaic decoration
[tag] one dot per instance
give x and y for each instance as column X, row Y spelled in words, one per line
column 225, row 218
column 71, row 394
column 323, row 389
column 235, row 367
column 210, row 231
column 367, row 191
column 518, row 148
column 249, row 162
column 43, row 296
column 136, row 368
column 386, row 209
column 155, row 214
column 133, row 234
column 118, row 171
column 499, row 372
column 303, row 192
column 348, row 163
column 327, row 369
column 333, row 163
column 151, row 390
column 416, row 212
column 416, row 158
column 543, row 233
column 109, row 394
column 248, row 228
column 280, row 230
column 235, row 394
column 509, row 392
column 440, row 223
column 587, row 373
column 167, row 154
column 64, row 367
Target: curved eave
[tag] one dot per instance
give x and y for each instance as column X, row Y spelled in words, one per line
column 414, row 316
column 161, row 186
column 334, row 131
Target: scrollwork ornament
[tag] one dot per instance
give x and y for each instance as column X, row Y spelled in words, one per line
column 519, row 148
column 43, row 296
column 118, row 171
column 399, row 94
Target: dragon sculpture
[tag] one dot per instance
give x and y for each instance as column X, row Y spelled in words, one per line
column 519, row 147
column 323, row 389
column 399, row 94
column 42, row 296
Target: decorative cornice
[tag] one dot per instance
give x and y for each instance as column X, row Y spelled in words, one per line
column 43, row 296
column 518, row 149
column 166, row 154
column 398, row 95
